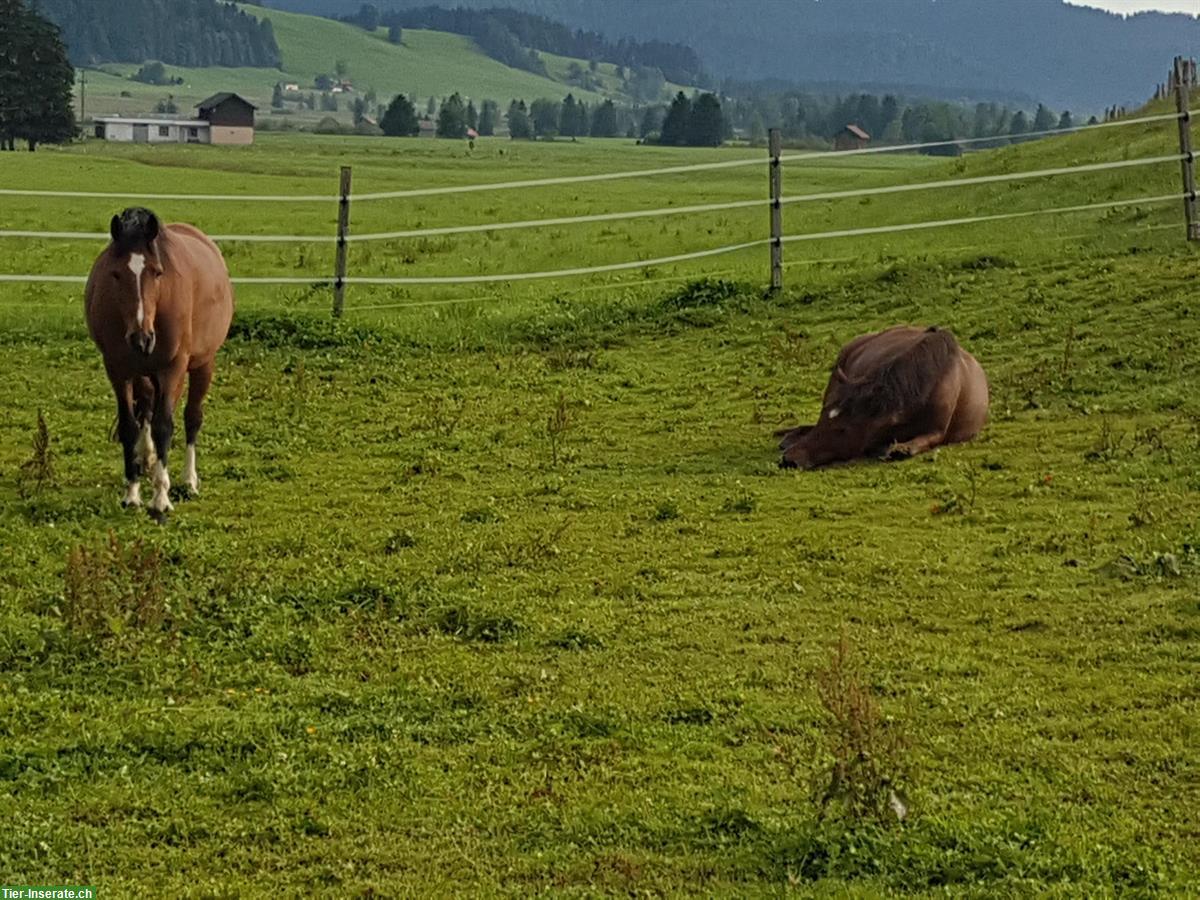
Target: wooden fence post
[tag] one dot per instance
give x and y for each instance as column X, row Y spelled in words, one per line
column 1182, row 77
column 774, row 146
column 339, row 275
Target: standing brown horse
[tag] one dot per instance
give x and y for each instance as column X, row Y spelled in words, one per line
column 158, row 305
column 893, row 394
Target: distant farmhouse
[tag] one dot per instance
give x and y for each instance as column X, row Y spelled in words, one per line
column 223, row 118
column 851, row 138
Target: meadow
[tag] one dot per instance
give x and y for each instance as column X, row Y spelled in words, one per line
column 426, row 64
column 500, row 590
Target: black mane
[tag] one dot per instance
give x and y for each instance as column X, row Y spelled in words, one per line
column 904, row 381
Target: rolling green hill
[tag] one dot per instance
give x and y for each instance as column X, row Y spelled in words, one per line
column 428, row 63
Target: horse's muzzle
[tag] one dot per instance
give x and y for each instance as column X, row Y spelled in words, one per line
column 142, row 342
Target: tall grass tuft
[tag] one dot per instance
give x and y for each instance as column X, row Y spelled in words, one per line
column 864, row 781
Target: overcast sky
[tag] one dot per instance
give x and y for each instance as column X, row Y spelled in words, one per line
column 1129, row 6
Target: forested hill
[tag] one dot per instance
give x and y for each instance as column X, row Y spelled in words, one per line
column 194, row 33
column 1069, row 56
column 508, row 35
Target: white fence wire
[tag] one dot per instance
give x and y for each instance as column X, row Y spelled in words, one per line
column 637, row 214
column 658, row 261
column 384, row 280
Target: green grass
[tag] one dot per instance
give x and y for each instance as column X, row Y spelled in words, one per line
column 403, row 644
column 428, row 63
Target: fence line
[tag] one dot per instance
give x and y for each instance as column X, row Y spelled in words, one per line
column 644, row 213
column 580, row 179
column 664, row 260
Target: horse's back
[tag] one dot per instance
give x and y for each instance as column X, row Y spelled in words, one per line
column 202, row 268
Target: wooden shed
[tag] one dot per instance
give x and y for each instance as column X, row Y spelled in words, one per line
column 231, row 118
column 851, row 138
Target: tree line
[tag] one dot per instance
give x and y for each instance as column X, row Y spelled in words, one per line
column 688, row 121
column 888, row 119
column 193, row 33
column 36, row 80
column 514, row 38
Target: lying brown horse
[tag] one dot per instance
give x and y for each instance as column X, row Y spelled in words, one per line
column 893, row 394
column 158, row 304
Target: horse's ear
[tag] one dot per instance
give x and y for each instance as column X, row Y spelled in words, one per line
column 841, row 375
column 114, row 228
column 151, row 228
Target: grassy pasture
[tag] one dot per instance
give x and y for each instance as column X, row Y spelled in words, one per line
column 427, row 63
column 508, row 595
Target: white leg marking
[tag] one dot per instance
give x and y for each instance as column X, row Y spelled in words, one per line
column 162, row 487
column 144, row 448
column 191, row 479
column 133, row 494
column 137, row 265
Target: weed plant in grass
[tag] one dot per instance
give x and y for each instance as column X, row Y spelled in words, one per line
column 403, row 645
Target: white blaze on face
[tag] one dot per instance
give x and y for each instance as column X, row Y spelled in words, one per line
column 137, row 265
column 834, row 413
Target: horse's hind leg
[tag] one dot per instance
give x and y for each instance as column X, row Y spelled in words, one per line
column 193, row 417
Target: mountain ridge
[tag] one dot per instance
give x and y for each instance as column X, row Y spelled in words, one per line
column 1069, row 56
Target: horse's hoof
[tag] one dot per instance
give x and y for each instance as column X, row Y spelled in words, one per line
column 158, row 515
column 786, row 463
column 897, row 453
column 129, row 504
column 184, row 492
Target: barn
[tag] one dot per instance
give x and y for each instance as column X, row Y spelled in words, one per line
column 230, row 118
column 851, row 138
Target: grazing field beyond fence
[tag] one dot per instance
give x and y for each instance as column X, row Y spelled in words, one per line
column 498, row 588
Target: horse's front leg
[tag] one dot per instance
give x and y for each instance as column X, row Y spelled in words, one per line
column 127, row 432
column 162, row 427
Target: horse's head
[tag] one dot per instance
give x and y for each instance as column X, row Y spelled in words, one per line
column 133, row 274
column 847, row 428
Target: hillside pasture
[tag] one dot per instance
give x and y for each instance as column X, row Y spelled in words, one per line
column 426, row 64
column 500, row 588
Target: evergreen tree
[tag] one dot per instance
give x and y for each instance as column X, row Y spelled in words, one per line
column 359, row 110
column 1044, row 119
column 651, row 121
column 519, row 126
column 36, row 80
column 487, row 118
column 400, row 119
column 706, row 125
column 675, row 125
column 1019, row 124
column 758, row 131
column 889, row 112
column 431, row 107
column 544, row 115
column 277, row 96
column 472, row 115
column 604, row 120
column 368, row 17
column 569, row 124
column 452, row 118
column 395, row 34
column 1065, row 121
